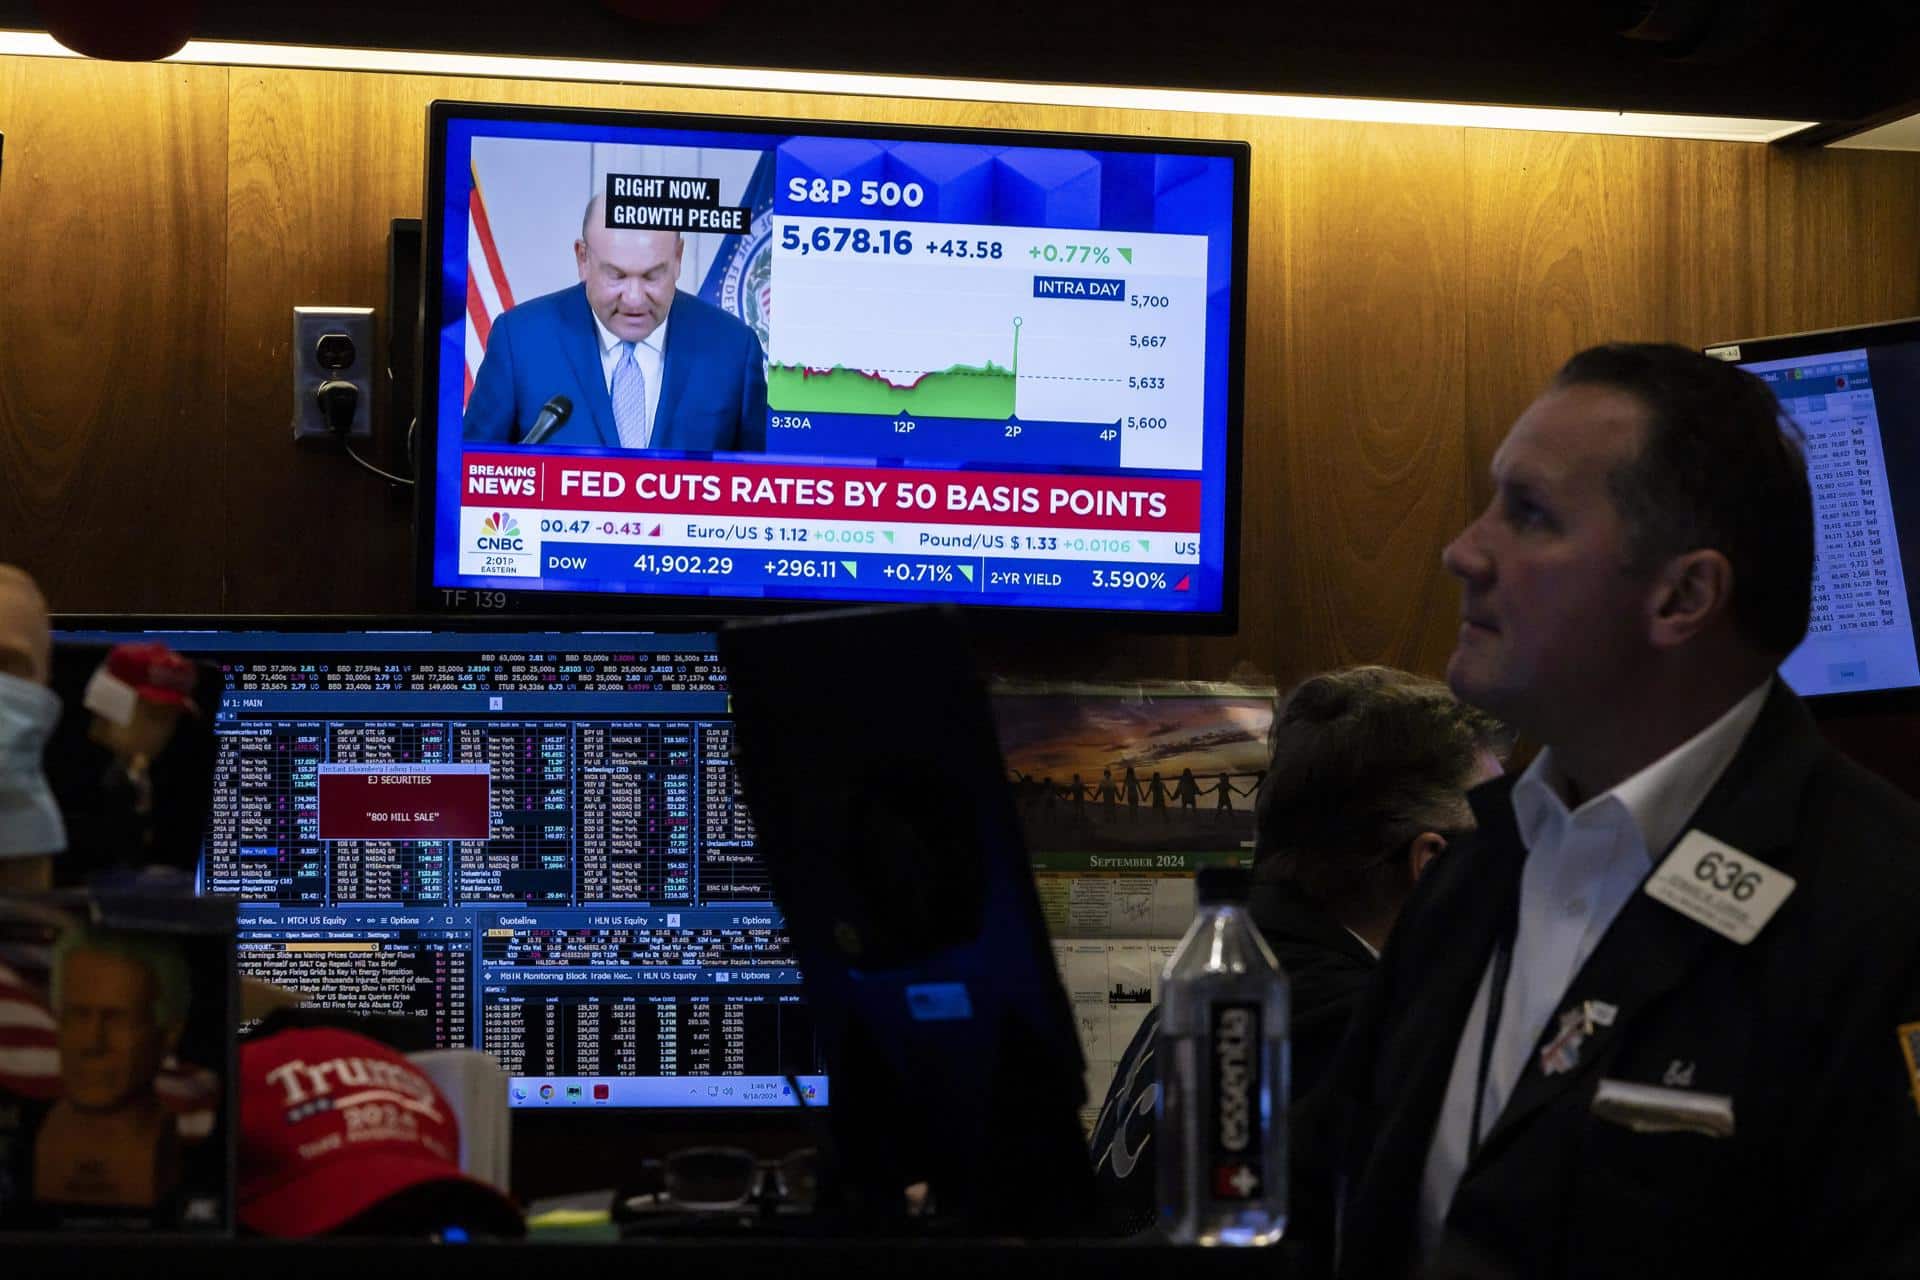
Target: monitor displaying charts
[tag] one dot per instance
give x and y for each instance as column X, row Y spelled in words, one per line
column 729, row 365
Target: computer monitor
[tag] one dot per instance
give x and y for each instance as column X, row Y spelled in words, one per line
column 1855, row 393
column 893, row 844
column 867, row 363
column 524, row 841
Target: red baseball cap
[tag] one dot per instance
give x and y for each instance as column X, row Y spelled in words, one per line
column 155, row 671
column 333, row 1125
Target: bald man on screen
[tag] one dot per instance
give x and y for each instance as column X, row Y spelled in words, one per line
column 642, row 364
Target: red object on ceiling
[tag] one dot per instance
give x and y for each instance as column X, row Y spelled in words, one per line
column 121, row 30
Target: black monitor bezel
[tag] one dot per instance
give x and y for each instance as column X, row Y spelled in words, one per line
column 711, row 612
column 1788, row 346
column 653, row 1130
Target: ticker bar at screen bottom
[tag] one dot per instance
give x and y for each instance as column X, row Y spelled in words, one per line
column 647, row 569
column 665, row 1091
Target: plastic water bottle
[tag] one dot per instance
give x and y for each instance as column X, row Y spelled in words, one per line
column 1222, row 1110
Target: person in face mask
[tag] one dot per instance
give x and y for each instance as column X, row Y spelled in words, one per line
column 31, row 831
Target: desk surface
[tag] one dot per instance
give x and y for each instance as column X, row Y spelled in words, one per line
column 146, row 1258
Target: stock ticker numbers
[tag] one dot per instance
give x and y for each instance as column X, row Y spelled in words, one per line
column 379, row 969
column 582, row 812
column 616, row 919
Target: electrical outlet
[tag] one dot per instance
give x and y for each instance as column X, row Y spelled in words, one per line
column 332, row 345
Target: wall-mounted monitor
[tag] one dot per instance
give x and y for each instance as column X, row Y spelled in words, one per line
column 1855, row 393
column 726, row 365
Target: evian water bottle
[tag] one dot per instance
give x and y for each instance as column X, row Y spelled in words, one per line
column 1222, row 1111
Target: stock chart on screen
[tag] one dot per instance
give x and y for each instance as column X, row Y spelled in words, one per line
column 868, row 363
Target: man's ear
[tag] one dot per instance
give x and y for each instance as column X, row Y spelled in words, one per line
column 1426, row 846
column 1689, row 592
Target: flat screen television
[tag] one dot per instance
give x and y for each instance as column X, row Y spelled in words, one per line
column 1855, row 394
column 527, row 842
column 722, row 365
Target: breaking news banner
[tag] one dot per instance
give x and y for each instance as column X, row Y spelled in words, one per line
column 897, row 530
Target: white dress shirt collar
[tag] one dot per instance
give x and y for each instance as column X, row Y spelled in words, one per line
column 655, row 342
column 1660, row 798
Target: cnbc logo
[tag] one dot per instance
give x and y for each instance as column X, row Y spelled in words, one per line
column 500, row 532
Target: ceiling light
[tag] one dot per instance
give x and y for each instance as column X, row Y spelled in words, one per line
column 1218, row 102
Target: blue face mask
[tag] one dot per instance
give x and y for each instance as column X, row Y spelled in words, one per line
column 29, row 819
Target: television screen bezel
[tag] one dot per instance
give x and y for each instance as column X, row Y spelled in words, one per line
column 713, row 611
column 1788, row 346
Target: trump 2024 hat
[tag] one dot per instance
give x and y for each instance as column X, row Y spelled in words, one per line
column 334, row 1126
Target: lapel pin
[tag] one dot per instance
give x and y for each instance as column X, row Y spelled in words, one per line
column 1562, row 1053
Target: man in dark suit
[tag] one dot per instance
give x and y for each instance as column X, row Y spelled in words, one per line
column 1367, row 784
column 644, row 365
column 1657, row 1016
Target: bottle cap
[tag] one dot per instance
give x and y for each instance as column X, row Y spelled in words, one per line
column 1223, row 884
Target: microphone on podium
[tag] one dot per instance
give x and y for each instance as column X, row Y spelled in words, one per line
column 553, row 415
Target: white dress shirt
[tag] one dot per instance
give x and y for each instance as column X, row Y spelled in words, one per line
column 1581, row 868
column 650, row 354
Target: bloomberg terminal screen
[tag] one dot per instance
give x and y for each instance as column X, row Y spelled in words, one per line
column 532, row 841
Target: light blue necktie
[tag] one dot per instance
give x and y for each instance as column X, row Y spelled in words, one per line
column 630, row 400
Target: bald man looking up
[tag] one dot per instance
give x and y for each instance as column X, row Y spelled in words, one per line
column 642, row 364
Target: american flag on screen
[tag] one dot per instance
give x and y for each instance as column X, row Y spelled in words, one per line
column 29, row 1057
column 488, row 293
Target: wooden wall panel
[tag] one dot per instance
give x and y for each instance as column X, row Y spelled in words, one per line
column 1562, row 254
column 319, row 164
column 1843, row 239
column 1710, row 241
column 1410, row 290
column 1353, row 451
column 112, row 229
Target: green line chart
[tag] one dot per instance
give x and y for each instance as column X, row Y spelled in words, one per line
column 957, row 391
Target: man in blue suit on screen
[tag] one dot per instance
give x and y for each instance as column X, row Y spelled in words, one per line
column 640, row 364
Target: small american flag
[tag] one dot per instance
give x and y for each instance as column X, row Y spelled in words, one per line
column 29, row 1053
column 488, row 293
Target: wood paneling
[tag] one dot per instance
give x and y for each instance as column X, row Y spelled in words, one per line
column 1353, row 450
column 1410, row 290
column 1562, row 254
column 319, row 163
column 112, row 272
column 1843, row 239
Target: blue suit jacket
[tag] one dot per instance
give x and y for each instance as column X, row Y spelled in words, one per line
column 713, row 393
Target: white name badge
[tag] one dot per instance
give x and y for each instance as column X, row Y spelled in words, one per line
column 1716, row 885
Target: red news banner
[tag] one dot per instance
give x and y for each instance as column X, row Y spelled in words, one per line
column 405, row 802
column 831, row 493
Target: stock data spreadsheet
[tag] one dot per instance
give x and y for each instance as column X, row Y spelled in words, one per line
column 533, row 841
column 1860, row 634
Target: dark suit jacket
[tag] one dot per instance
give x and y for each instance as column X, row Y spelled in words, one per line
column 713, row 392
column 1327, row 970
column 1798, row 1027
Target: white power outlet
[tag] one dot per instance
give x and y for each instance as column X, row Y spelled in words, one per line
column 332, row 344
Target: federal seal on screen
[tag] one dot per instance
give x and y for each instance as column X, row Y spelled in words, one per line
column 746, row 290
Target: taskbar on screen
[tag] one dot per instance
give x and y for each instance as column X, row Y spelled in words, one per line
column 666, row 1091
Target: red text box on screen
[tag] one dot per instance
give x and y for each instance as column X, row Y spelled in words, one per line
column 405, row 802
